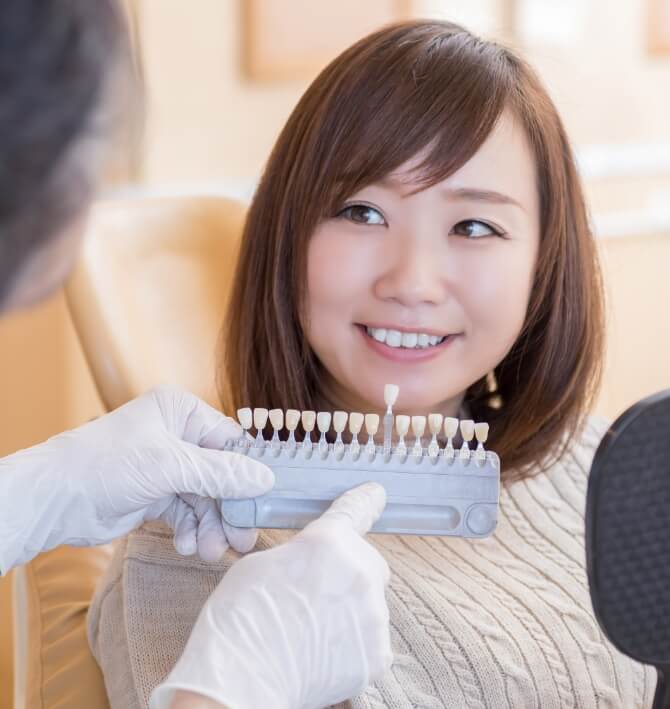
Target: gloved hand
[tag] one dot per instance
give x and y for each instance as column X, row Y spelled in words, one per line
column 299, row 626
column 153, row 458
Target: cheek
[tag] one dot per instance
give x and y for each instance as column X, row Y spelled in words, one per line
column 339, row 276
column 498, row 297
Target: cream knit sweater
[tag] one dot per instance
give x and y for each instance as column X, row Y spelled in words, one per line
column 504, row 622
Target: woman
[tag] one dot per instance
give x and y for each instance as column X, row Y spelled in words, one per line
column 420, row 221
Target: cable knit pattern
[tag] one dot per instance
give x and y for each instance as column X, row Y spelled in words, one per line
column 504, row 622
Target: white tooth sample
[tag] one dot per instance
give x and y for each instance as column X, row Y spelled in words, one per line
column 260, row 418
column 245, row 417
column 423, row 340
column 394, row 338
column 481, row 432
column 292, row 419
column 380, row 334
column 340, row 421
column 308, row 419
column 355, row 423
column 450, row 427
column 402, row 424
column 372, row 424
column 418, row 425
column 409, row 339
column 390, row 394
column 277, row 419
column 467, row 429
column 434, row 339
column 323, row 421
column 402, row 427
column 435, row 423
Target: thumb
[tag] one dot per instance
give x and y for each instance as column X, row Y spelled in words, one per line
column 358, row 508
column 193, row 420
column 187, row 468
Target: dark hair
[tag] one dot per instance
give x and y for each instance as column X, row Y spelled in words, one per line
column 56, row 62
column 410, row 87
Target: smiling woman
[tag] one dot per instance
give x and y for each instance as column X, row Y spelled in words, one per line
column 420, row 221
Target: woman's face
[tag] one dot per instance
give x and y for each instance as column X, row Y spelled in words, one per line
column 429, row 290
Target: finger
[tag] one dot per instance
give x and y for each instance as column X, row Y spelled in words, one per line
column 181, row 519
column 211, row 536
column 358, row 508
column 241, row 540
column 188, row 468
column 196, row 422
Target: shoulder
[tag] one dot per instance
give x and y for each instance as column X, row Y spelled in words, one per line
column 582, row 447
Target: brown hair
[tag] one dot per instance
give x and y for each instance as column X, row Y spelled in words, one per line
column 432, row 86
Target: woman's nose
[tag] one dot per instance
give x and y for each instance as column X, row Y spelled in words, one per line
column 413, row 275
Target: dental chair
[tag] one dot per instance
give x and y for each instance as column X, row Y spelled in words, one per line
column 147, row 300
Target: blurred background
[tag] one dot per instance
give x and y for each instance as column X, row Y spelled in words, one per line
column 222, row 77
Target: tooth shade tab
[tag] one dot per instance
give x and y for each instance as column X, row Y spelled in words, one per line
column 292, row 419
column 323, row 421
column 402, row 424
column 355, row 423
column 481, row 432
column 340, row 421
column 260, row 418
column 372, row 424
column 418, row 425
column 450, row 427
column 467, row 430
column 308, row 419
column 245, row 417
column 390, row 394
column 277, row 419
column 435, row 423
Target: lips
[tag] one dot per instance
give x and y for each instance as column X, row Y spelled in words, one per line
column 404, row 354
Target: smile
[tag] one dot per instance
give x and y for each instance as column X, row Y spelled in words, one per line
column 407, row 340
column 403, row 346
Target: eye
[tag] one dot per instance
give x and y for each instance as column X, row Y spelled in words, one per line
column 475, row 229
column 362, row 214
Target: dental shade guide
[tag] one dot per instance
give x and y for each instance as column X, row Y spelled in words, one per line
column 432, row 489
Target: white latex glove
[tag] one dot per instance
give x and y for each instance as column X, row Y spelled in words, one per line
column 299, row 626
column 154, row 458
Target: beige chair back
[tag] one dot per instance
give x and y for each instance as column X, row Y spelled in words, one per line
column 149, row 293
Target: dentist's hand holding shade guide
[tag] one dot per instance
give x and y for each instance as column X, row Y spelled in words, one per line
column 432, row 486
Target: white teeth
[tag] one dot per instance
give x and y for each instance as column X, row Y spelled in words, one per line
column 409, row 340
column 393, row 338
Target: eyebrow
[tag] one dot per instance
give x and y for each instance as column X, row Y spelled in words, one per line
column 465, row 194
column 471, row 194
